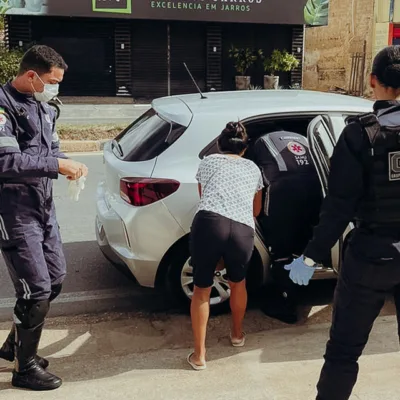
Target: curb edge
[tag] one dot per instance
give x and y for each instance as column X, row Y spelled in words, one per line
column 82, row 146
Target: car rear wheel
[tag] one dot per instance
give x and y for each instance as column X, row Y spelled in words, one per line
column 180, row 282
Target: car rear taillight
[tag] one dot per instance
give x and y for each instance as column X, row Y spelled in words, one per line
column 144, row 191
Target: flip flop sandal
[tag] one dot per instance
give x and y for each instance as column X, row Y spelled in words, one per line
column 193, row 365
column 238, row 342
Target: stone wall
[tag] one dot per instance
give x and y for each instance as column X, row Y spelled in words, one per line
column 328, row 50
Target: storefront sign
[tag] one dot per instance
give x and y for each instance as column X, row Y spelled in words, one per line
column 311, row 12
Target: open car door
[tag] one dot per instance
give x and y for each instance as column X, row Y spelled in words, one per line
column 322, row 142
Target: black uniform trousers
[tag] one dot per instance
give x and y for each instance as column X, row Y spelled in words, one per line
column 370, row 272
column 293, row 211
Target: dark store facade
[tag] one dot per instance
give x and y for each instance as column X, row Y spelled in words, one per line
column 137, row 48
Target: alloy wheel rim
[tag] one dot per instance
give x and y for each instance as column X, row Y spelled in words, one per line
column 220, row 291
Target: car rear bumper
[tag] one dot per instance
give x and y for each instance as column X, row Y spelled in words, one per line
column 143, row 271
column 137, row 238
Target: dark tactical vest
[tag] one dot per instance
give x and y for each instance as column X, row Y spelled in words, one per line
column 380, row 205
column 287, row 154
column 285, row 162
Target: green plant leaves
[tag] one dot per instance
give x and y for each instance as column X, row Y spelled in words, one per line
column 243, row 58
column 316, row 12
column 280, row 61
column 4, row 6
column 9, row 63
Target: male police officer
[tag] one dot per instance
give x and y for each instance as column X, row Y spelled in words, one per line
column 364, row 186
column 29, row 234
column 291, row 207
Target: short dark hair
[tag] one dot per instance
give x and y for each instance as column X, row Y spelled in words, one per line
column 386, row 67
column 41, row 59
column 233, row 139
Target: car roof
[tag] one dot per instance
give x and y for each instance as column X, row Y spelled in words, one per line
column 248, row 103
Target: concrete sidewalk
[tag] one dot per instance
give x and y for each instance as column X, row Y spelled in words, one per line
column 143, row 357
column 96, row 114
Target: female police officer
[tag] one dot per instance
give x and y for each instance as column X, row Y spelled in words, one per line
column 364, row 187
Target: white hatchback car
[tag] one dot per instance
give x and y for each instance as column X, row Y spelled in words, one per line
column 147, row 202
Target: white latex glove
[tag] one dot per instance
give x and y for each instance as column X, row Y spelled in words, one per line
column 75, row 188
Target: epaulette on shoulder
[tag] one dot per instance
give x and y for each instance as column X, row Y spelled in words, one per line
column 364, row 120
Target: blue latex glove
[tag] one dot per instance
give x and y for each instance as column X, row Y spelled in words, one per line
column 300, row 273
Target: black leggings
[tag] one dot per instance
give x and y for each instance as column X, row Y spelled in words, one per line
column 214, row 237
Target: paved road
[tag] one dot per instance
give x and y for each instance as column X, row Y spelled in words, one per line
column 126, row 356
column 92, row 283
column 88, row 114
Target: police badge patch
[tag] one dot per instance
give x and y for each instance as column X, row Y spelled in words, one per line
column 3, row 119
column 394, row 166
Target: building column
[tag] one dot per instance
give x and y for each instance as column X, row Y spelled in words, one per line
column 123, row 59
column 17, row 32
column 296, row 76
column 214, row 57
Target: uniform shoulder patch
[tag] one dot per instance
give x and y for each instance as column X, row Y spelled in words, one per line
column 394, row 166
column 3, row 119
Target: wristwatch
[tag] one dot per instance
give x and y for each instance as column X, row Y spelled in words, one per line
column 309, row 262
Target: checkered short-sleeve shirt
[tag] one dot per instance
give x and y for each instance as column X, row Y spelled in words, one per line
column 228, row 186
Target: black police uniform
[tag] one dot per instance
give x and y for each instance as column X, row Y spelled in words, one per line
column 292, row 200
column 364, row 187
column 29, row 233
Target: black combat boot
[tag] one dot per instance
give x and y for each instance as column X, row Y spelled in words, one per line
column 7, row 350
column 28, row 374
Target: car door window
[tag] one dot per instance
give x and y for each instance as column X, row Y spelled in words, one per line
column 322, row 144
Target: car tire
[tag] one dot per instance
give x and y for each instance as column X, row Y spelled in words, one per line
column 174, row 288
column 175, row 292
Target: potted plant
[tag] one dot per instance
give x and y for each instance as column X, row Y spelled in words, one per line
column 243, row 59
column 279, row 61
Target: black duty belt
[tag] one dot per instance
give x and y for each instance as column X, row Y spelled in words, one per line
column 21, row 181
column 391, row 230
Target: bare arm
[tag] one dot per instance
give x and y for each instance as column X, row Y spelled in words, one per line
column 257, row 203
column 199, row 187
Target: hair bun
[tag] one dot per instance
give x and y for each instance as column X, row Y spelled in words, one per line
column 231, row 126
column 391, row 75
column 233, row 139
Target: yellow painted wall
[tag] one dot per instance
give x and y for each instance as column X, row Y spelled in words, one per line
column 396, row 15
column 382, row 10
column 380, row 38
column 328, row 49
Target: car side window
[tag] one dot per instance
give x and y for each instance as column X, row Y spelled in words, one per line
column 262, row 125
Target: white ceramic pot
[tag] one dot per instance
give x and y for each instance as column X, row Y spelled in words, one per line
column 271, row 82
column 242, row 82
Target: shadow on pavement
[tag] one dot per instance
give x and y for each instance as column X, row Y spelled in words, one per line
column 94, row 347
column 92, row 285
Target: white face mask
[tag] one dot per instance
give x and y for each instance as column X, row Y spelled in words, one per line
column 50, row 91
